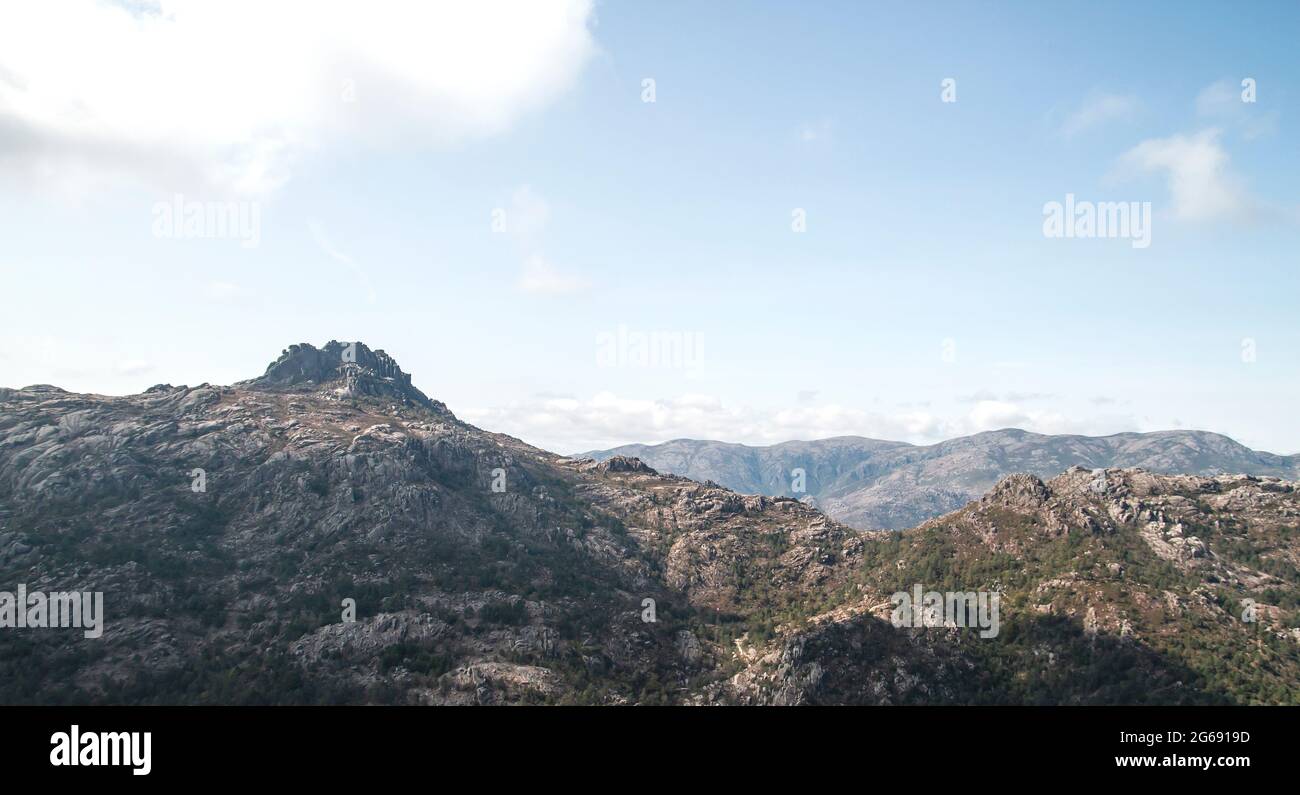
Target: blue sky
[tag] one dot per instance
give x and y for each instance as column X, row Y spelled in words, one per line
column 921, row 301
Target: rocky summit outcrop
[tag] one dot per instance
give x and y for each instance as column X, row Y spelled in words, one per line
column 325, row 533
column 340, row 369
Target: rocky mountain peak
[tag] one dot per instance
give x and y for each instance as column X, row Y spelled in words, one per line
column 624, row 463
column 345, row 369
column 1020, row 491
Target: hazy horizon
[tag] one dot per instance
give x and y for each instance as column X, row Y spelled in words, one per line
column 764, row 444
column 929, row 444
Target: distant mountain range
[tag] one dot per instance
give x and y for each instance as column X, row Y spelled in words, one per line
column 872, row 484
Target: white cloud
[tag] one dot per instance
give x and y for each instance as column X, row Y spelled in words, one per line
column 1010, row 397
column 1219, row 99
column 605, row 420
column 815, row 131
column 1098, row 109
column 1196, row 167
column 526, row 218
column 188, row 93
column 571, row 425
column 1222, row 102
column 991, row 415
column 541, row 277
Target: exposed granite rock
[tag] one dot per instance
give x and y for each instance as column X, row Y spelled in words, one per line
column 346, row 370
column 226, row 526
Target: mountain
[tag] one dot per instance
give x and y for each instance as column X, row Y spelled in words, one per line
column 326, row 533
column 1118, row 586
column 226, row 525
column 872, row 484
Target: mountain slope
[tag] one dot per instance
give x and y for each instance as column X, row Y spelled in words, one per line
column 1117, row 587
column 226, row 527
column 875, row 484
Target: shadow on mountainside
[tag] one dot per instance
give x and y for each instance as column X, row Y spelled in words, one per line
column 1034, row 660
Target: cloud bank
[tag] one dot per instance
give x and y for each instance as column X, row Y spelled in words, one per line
column 230, row 95
column 1196, row 168
column 572, row 425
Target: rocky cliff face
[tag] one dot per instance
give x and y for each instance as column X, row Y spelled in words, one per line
column 872, row 484
column 327, row 533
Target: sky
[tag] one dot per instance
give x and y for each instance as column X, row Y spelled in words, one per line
column 591, row 224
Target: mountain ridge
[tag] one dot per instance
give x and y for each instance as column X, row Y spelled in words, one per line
column 227, row 525
column 881, row 484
